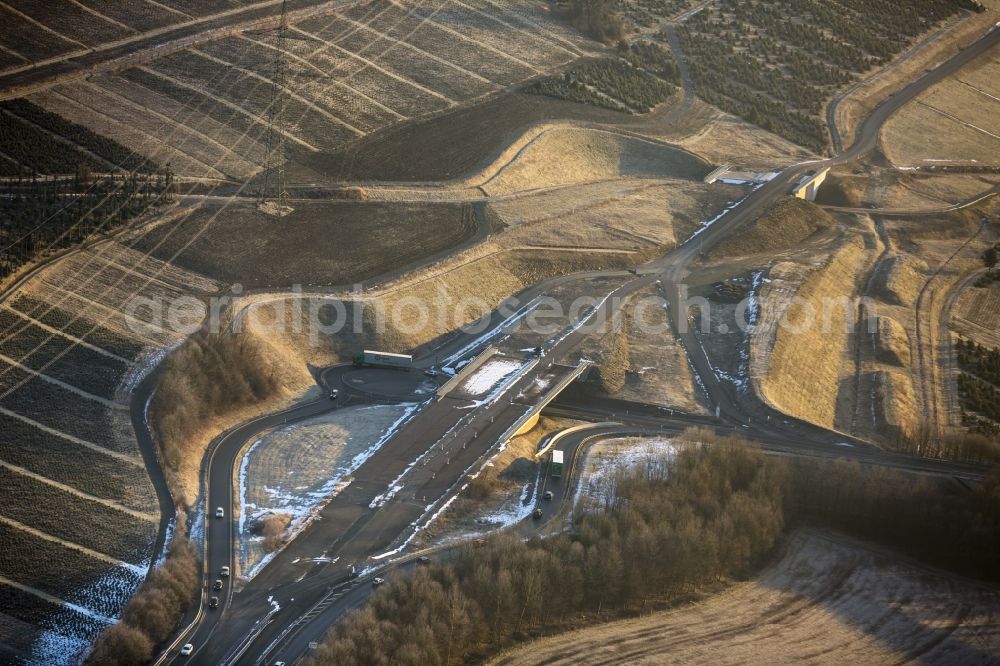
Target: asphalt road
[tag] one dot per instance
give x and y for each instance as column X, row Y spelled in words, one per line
column 363, row 531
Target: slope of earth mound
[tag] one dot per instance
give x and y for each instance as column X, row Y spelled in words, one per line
column 548, row 157
column 785, row 226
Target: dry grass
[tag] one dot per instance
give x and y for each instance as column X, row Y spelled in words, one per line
column 956, row 120
column 892, row 344
column 619, row 214
column 895, row 408
column 730, row 140
column 976, row 314
column 660, row 373
column 828, row 600
column 799, row 354
column 900, row 279
column 551, row 156
column 786, row 226
column 859, row 104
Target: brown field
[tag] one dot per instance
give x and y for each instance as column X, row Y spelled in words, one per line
column 68, row 468
column 954, row 121
column 829, row 600
column 976, row 314
column 372, row 65
column 788, row 225
column 321, row 243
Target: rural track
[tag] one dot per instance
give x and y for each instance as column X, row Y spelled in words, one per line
column 860, row 335
column 928, row 322
column 917, row 212
column 831, row 110
column 949, row 370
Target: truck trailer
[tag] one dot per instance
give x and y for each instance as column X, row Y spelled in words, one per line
column 557, row 464
column 377, row 359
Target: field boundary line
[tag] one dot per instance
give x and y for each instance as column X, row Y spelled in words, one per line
column 957, row 119
column 61, row 384
column 104, row 322
column 288, row 91
column 58, row 138
column 132, row 460
column 294, row 56
column 45, row 596
column 502, row 54
column 209, row 95
column 10, row 522
column 185, row 129
column 67, row 336
column 516, row 29
column 78, row 493
column 978, row 90
column 29, row 19
column 170, row 9
column 147, row 137
column 14, row 53
column 107, row 19
column 413, row 47
column 374, row 65
column 574, row 49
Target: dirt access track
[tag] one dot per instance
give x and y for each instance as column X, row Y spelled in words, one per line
column 828, row 600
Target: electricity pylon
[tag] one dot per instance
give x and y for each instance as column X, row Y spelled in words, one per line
column 273, row 190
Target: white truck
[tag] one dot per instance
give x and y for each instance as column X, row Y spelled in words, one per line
column 377, row 359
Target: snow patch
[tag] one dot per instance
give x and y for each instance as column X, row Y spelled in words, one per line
column 492, row 373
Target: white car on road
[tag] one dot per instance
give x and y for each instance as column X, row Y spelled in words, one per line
column 220, row 513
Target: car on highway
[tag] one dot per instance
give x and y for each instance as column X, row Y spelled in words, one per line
column 218, row 584
column 537, row 513
column 213, row 602
column 377, row 581
column 187, row 650
column 334, row 393
column 431, row 373
column 547, row 495
column 224, row 572
column 423, row 559
column 220, row 513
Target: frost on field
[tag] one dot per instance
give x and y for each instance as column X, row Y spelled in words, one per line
column 296, row 470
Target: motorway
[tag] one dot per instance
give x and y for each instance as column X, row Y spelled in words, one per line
column 451, row 436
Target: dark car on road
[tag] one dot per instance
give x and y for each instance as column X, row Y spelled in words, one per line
column 213, row 602
column 536, row 514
